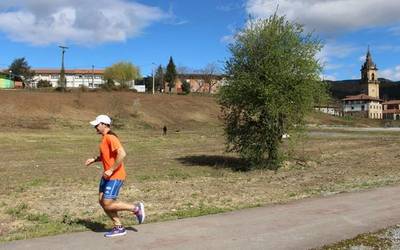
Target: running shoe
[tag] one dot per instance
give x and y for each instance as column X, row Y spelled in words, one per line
column 116, row 231
column 140, row 215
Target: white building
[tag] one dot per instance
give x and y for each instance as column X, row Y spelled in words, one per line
column 91, row 78
column 363, row 106
column 330, row 109
column 75, row 78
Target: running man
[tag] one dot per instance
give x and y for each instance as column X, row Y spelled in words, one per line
column 112, row 155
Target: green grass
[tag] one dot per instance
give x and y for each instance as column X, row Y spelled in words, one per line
column 375, row 240
column 48, row 190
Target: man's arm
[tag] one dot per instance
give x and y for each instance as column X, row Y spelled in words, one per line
column 92, row 160
column 120, row 158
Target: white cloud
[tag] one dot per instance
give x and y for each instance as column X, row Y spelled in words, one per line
column 331, row 66
column 395, row 30
column 387, row 47
column 391, row 73
column 88, row 22
column 330, row 16
column 230, row 6
column 227, row 39
column 173, row 19
column 333, row 50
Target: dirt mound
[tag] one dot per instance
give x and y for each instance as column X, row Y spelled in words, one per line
column 35, row 109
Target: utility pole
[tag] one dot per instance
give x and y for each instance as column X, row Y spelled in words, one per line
column 92, row 76
column 62, row 73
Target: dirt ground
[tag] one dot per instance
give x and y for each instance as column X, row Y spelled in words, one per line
column 47, row 190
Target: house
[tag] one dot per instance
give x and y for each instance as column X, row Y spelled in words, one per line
column 363, row 105
column 92, row 78
column 391, row 110
column 331, row 109
column 6, row 83
column 199, row 83
column 75, row 78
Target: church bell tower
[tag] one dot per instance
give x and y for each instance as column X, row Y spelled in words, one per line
column 369, row 77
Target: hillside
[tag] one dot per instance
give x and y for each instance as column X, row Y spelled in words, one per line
column 51, row 110
column 25, row 109
column 389, row 90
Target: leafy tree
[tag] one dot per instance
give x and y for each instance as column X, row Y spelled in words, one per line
column 20, row 70
column 171, row 74
column 273, row 82
column 159, row 78
column 123, row 73
column 185, row 87
column 147, row 82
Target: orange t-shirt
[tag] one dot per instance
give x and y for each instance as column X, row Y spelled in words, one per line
column 108, row 152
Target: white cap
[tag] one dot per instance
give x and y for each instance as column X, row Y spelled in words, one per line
column 101, row 119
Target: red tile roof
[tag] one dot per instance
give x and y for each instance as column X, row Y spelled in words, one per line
column 69, row 71
column 360, row 97
column 392, row 102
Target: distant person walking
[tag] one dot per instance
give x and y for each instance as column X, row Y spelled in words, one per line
column 112, row 155
column 164, row 130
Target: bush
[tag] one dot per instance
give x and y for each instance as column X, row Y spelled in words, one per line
column 61, row 89
column 108, row 85
column 44, row 84
column 83, row 88
column 185, row 87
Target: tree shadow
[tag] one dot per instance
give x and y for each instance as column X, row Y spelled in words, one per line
column 98, row 227
column 215, row 161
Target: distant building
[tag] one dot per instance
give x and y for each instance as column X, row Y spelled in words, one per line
column 391, row 110
column 363, row 105
column 91, row 78
column 367, row 104
column 6, row 83
column 332, row 109
column 75, row 78
column 199, row 83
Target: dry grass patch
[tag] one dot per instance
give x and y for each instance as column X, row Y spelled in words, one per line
column 180, row 175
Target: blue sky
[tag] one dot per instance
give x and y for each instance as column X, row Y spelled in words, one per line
column 194, row 33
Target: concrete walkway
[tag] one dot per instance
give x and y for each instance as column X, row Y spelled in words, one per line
column 297, row 225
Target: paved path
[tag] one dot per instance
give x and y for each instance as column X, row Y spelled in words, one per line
column 357, row 129
column 297, row 225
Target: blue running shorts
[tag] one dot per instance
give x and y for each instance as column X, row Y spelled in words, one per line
column 110, row 188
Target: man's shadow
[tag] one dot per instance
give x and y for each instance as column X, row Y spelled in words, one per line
column 98, row 227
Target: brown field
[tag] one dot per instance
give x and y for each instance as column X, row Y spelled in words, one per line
column 46, row 189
